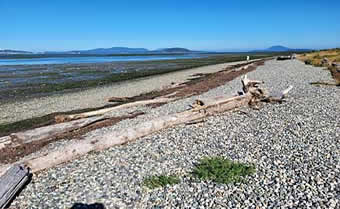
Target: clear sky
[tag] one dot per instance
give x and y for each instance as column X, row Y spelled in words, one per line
column 40, row 25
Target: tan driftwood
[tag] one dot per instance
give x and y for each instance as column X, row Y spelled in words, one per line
column 202, row 109
column 284, row 58
column 5, row 141
column 245, row 67
column 120, row 99
column 44, row 133
column 79, row 148
column 247, row 84
column 63, row 118
column 325, row 83
column 277, row 97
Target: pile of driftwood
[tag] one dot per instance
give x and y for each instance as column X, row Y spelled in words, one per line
column 252, row 94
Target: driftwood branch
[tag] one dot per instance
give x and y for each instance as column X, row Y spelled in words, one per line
column 120, row 99
column 277, row 97
column 63, row 118
column 248, row 84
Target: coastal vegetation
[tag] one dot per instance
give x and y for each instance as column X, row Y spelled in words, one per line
column 216, row 169
column 160, row 181
column 316, row 58
column 221, row 170
column 329, row 58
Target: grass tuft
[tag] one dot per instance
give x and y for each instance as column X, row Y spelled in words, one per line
column 222, row 170
column 160, row 181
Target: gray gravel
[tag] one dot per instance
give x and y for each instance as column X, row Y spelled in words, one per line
column 294, row 146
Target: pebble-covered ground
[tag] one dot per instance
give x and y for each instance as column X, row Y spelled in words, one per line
column 295, row 147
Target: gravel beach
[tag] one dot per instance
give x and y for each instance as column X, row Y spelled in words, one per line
column 295, row 147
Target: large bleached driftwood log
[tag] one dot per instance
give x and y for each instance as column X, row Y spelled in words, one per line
column 252, row 94
column 11, row 182
column 80, row 148
column 63, row 118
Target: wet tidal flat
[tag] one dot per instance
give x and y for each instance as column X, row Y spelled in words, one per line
column 22, row 81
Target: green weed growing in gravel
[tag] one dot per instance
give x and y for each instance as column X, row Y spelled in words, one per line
column 160, row 181
column 222, row 170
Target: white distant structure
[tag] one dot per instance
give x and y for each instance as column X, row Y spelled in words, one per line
column 248, row 58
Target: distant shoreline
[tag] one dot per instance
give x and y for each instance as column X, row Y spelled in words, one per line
column 34, row 56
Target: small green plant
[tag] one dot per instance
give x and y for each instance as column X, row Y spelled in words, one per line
column 222, row 170
column 160, row 181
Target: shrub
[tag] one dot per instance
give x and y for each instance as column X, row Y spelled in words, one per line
column 308, row 62
column 160, row 181
column 222, row 170
column 317, row 56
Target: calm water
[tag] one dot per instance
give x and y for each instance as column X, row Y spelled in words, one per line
column 79, row 60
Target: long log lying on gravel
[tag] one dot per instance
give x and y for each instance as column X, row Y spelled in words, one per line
column 80, row 148
column 63, row 118
column 11, row 182
column 201, row 110
column 43, row 133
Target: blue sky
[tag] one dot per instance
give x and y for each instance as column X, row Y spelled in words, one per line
column 40, row 25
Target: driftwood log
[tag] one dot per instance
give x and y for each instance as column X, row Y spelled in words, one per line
column 11, row 182
column 251, row 95
column 79, row 148
column 120, row 99
column 63, row 118
column 284, row 57
column 44, row 133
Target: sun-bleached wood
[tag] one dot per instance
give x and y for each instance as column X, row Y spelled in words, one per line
column 80, row 148
column 11, row 182
column 45, row 133
column 63, row 118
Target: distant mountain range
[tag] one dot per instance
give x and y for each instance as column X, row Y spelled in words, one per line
column 279, row 48
column 9, row 51
column 126, row 50
column 123, row 50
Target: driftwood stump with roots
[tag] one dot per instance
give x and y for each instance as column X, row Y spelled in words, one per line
column 259, row 94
